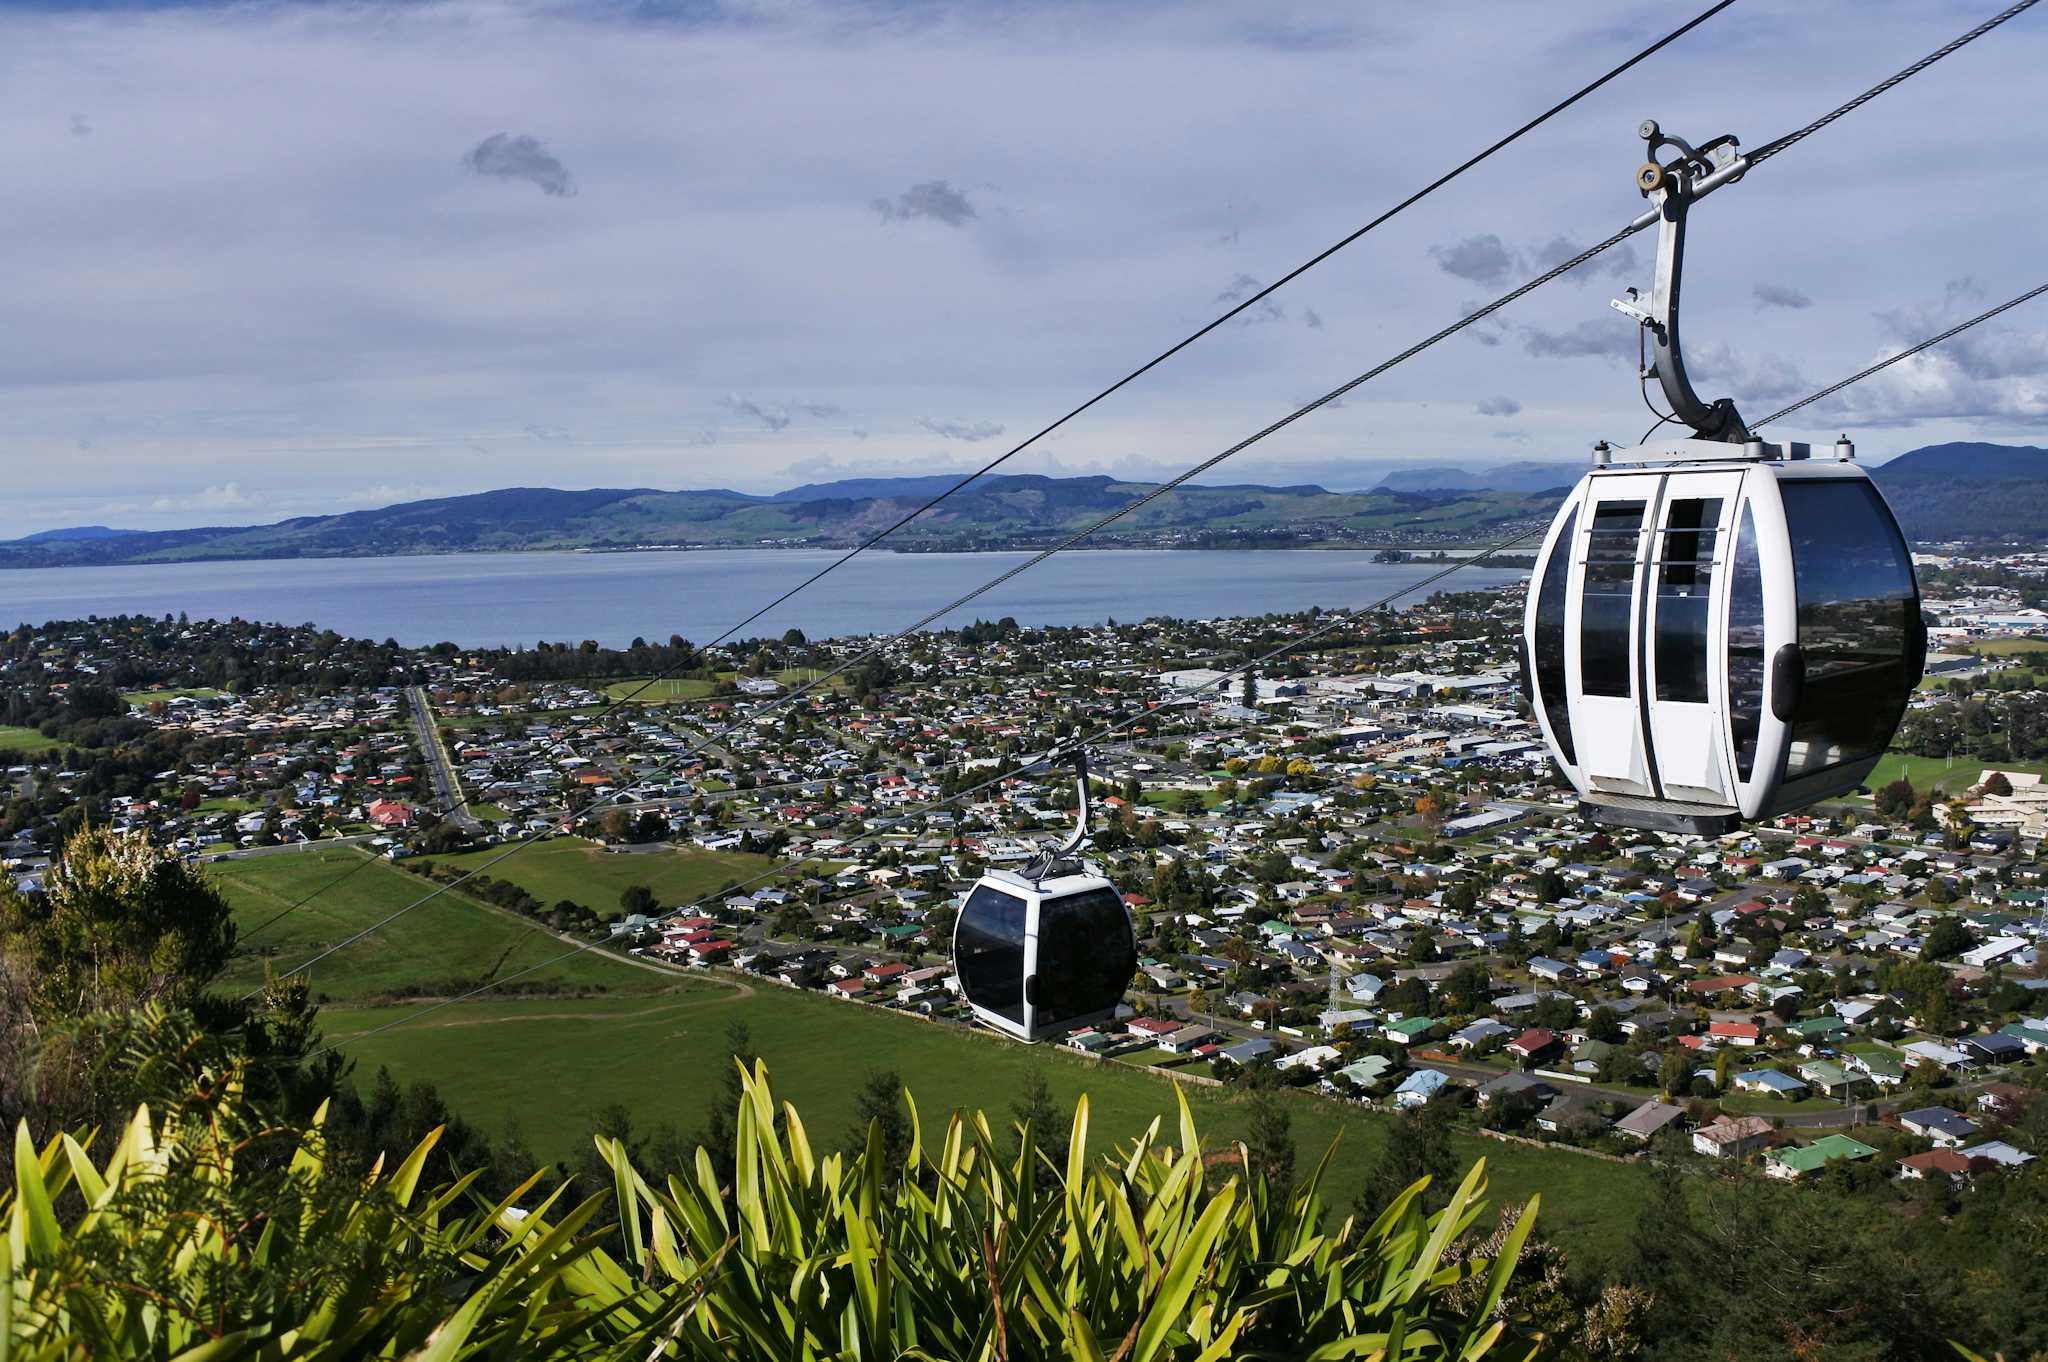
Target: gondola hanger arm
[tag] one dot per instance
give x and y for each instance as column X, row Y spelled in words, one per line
column 1673, row 186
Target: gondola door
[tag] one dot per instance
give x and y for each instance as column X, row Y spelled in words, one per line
column 1682, row 679
column 1602, row 633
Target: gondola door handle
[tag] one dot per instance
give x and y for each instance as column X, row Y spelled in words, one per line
column 1788, row 681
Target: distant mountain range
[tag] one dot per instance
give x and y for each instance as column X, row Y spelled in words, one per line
column 1507, row 477
column 1969, row 492
column 1942, row 492
column 1019, row 511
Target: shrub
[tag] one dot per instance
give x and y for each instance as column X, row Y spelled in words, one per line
column 206, row 1233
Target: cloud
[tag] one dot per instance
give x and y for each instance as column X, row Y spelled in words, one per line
column 1482, row 259
column 1717, row 369
column 1489, row 260
column 934, row 199
column 1778, row 295
column 228, row 496
column 1312, row 319
column 1595, row 336
column 961, row 430
column 81, row 126
column 1517, row 436
column 520, row 158
column 551, row 434
column 778, row 415
column 1498, row 406
column 1616, row 262
column 1999, row 373
column 1239, row 289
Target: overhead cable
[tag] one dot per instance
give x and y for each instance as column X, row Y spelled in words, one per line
column 1328, row 626
column 1768, row 150
column 1908, row 353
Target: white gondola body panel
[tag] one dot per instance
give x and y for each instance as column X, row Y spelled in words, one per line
column 1040, row 958
column 1697, row 657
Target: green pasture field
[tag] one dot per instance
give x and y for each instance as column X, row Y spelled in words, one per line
column 29, row 740
column 668, row 691
column 449, row 941
column 546, row 1065
column 1170, row 799
column 2004, row 647
column 571, row 868
column 143, row 697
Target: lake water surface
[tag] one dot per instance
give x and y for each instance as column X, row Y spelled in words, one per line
column 487, row 599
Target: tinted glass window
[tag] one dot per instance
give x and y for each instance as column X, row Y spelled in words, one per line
column 1857, row 606
column 988, row 951
column 1745, row 645
column 1685, row 570
column 1086, row 956
column 1549, row 650
column 1609, row 598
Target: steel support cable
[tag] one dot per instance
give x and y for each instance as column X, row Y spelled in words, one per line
column 1134, row 375
column 1798, row 135
column 1930, row 342
column 876, row 649
column 1257, row 297
column 1330, row 625
column 1768, row 150
column 1336, row 622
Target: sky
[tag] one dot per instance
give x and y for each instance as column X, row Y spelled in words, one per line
column 269, row 260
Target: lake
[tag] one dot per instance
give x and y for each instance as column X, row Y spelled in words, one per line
column 490, row 599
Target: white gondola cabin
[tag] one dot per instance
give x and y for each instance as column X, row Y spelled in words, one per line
column 1717, row 641
column 1718, row 629
column 1039, row 958
column 1050, row 950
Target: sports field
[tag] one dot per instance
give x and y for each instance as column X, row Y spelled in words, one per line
column 2005, row 647
column 1938, row 773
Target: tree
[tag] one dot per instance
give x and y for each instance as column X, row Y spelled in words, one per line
column 1467, row 988
column 880, row 1105
column 636, row 898
column 1248, row 689
column 1674, row 1075
column 1896, row 799
column 1418, row 1146
column 1033, row 1106
column 122, row 923
column 1998, row 784
column 721, row 1126
column 1269, row 1145
column 1946, row 939
column 1603, row 1025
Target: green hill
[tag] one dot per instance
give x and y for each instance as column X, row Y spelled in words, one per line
column 997, row 512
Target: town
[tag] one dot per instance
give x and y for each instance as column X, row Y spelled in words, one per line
column 1351, row 869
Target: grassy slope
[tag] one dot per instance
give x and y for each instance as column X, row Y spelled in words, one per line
column 657, row 1044
column 29, row 740
column 662, row 1057
column 567, row 868
column 445, row 940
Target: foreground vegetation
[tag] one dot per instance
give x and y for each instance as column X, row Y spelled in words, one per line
column 210, row 1231
column 262, row 1205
